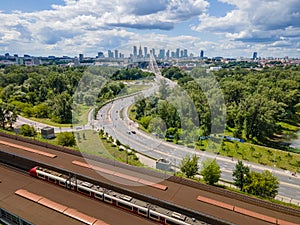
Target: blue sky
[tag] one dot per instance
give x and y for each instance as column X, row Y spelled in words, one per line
column 27, row 5
column 229, row 28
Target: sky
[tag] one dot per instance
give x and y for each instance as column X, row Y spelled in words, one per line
column 228, row 28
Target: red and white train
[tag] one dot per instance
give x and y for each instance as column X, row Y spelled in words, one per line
column 153, row 212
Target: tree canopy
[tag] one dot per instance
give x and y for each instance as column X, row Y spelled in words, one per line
column 257, row 101
column 27, row 130
column 240, row 175
column 210, row 171
column 262, row 184
column 189, row 165
column 8, row 114
column 66, row 139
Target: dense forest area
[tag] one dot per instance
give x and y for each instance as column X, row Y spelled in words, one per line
column 259, row 103
column 252, row 104
column 42, row 92
column 55, row 92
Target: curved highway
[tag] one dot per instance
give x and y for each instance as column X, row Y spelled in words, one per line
column 113, row 118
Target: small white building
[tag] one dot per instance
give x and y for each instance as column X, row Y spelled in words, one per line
column 163, row 164
column 48, row 132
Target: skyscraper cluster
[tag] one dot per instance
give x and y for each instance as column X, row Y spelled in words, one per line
column 162, row 53
column 144, row 52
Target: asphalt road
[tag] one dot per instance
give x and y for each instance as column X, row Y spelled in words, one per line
column 114, row 120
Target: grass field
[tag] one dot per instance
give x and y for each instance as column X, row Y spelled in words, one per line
column 132, row 88
column 254, row 153
column 81, row 118
column 90, row 142
column 247, row 151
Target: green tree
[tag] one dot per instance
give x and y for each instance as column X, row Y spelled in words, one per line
column 41, row 110
column 8, row 114
column 66, row 139
column 262, row 184
column 189, row 166
column 13, row 115
column 239, row 174
column 211, row 171
column 62, row 108
column 139, row 106
column 27, row 130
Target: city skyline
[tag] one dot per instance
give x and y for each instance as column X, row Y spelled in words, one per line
column 227, row 28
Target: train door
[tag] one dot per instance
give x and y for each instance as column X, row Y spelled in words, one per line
column 135, row 210
column 162, row 220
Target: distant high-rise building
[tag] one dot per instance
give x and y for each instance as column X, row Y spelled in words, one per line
column 81, row 57
column 116, row 53
column 168, row 53
column 173, row 54
column 161, row 54
column 153, row 52
column 134, row 51
column 110, row 54
column 177, row 53
column 140, row 52
column 181, row 53
column 254, row 55
column 145, row 51
column 201, row 54
column 100, row 55
column 185, row 53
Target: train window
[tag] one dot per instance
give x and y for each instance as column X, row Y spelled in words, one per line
column 84, row 191
column 154, row 216
column 124, row 206
column 143, row 212
column 41, row 176
column 99, row 196
column 107, row 199
column 171, row 222
column 51, row 179
column 62, row 183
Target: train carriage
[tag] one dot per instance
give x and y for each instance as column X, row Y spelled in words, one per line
column 119, row 200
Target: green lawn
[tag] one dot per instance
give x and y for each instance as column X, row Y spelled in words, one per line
column 82, row 112
column 132, row 88
column 254, row 153
column 90, row 142
column 49, row 122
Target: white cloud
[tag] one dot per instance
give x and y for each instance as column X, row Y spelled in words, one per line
column 96, row 25
column 263, row 23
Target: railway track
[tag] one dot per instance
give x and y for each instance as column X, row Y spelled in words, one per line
column 180, row 192
column 44, row 203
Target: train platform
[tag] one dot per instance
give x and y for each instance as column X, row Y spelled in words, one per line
column 14, row 207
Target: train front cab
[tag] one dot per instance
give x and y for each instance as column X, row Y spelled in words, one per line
column 32, row 172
